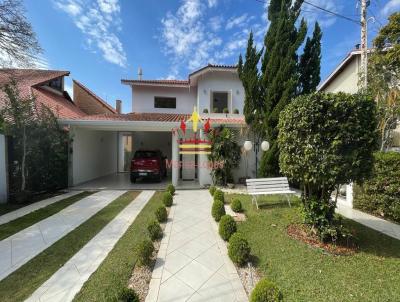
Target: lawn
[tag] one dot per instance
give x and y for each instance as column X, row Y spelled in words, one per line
column 19, row 285
column 308, row 274
column 114, row 272
column 23, row 222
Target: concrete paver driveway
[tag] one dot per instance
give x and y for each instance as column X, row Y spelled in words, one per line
column 192, row 263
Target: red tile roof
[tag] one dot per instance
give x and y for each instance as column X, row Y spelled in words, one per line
column 158, row 117
column 95, row 96
column 29, row 82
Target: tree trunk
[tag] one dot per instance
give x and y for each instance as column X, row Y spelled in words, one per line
column 23, row 181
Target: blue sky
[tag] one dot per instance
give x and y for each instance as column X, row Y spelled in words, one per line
column 102, row 41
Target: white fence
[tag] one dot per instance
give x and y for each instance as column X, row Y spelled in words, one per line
column 3, row 169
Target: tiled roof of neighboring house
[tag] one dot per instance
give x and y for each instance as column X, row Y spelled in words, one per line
column 29, row 82
column 177, row 83
column 95, row 96
column 158, row 117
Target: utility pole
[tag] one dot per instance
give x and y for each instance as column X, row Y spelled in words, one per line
column 364, row 44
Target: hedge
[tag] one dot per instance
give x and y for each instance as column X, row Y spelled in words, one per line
column 380, row 195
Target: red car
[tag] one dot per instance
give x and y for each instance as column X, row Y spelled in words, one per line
column 148, row 164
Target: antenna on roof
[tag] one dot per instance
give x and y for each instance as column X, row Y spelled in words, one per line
column 140, row 73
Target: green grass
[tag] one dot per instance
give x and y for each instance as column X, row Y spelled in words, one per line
column 114, row 272
column 308, row 274
column 23, row 282
column 25, row 221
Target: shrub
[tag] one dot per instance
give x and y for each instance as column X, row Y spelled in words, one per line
column 205, row 110
column 167, row 199
column 127, row 295
column 236, row 205
column 227, row 227
column 266, row 291
column 154, row 230
column 171, row 189
column 326, row 140
column 212, row 190
column 236, row 111
column 218, row 210
column 218, row 194
column 144, row 251
column 215, row 110
column 238, row 249
column 380, row 195
column 225, row 110
column 161, row 214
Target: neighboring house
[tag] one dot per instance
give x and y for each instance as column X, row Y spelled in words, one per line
column 345, row 79
column 104, row 143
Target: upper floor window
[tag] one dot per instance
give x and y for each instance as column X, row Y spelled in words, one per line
column 164, row 102
column 56, row 84
column 219, row 102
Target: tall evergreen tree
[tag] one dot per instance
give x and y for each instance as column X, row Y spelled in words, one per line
column 279, row 71
column 310, row 63
column 249, row 75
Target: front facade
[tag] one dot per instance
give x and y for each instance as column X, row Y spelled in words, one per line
column 104, row 144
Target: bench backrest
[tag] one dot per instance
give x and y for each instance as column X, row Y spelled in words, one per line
column 267, row 185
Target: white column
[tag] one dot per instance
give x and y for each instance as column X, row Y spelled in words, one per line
column 3, row 170
column 204, row 173
column 349, row 195
column 120, row 152
column 175, row 159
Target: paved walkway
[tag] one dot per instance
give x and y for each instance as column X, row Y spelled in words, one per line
column 35, row 206
column 19, row 248
column 386, row 227
column 192, row 263
column 69, row 279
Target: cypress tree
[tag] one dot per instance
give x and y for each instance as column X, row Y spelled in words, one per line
column 249, row 75
column 279, row 71
column 310, row 63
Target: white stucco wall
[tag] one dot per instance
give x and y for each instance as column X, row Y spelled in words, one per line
column 94, row 154
column 220, row 82
column 3, row 170
column 347, row 79
column 143, row 99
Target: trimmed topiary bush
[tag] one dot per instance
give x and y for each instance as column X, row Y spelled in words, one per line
column 225, row 110
column 127, row 295
column 218, row 210
column 236, row 111
column 238, row 249
column 155, row 231
column 171, row 189
column 144, row 251
column 266, row 291
column 161, row 214
column 212, row 190
column 205, row 110
column 236, row 205
column 215, row 110
column 227, row 227
column 167, row 199
column 218, row 194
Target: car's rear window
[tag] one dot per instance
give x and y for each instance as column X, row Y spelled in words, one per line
column 145, row 154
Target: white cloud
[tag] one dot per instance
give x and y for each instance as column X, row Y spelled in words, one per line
column 216, row 22
column 312, row 14
column 391, row 7
column 238, row 21
column 212, row 3
column 99, row 21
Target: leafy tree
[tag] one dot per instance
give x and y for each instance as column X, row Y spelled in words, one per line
column 18, row 42
column 310, row 63
column 225, row 150
column 384, row 78
column 279, row 71
column 326, row 140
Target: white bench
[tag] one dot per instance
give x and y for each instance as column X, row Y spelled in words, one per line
column 268, row 186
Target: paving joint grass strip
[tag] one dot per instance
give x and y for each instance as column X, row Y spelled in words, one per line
column 21, row 223
column 115, row 271
column 19, row 285
column 308, row 274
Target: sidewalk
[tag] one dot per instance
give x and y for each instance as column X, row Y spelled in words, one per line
column 386, row 227
column 192, row 263
column 35, row 206
column 69, row 279
column 19, row 248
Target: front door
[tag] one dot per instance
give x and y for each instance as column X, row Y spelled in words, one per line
column 188, row 166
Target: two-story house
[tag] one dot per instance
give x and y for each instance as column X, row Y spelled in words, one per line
column 103, row 144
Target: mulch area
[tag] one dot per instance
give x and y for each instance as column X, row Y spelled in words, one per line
column 302, row 233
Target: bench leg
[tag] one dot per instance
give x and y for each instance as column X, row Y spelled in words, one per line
column 257, row 202
column 288, row 200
